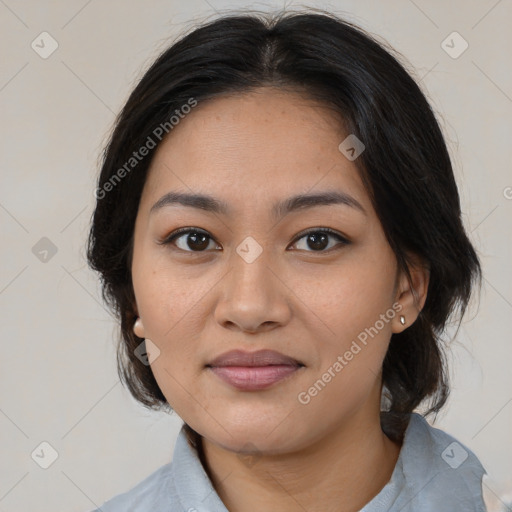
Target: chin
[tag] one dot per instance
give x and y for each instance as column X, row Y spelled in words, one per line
column 256, row 434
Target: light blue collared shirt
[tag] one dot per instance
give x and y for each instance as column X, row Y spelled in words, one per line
column 433, row 473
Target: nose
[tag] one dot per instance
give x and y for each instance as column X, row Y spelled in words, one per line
column 253, row 297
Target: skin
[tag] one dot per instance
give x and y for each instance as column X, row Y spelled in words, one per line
column 252, row 150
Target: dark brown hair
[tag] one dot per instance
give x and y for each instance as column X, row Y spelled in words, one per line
column 405, row 167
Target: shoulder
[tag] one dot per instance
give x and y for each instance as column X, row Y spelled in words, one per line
column 181, row 485
column 146, row 496
column 440, row 472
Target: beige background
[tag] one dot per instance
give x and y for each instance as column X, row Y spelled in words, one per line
column 57, row 370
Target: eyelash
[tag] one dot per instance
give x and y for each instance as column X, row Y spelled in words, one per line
column 180, row 232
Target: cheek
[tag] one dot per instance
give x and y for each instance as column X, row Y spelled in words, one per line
column 359, row 314
column 171, row 305
column 164, row 297
column 169, row 315
column 356, row 305
column 351, row 300
column 169, row 309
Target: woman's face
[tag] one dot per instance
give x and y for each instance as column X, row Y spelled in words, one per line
column 253, row 280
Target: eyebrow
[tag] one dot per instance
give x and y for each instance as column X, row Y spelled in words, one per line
column 279, row 210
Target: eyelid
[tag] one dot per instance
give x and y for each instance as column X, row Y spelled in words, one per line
column 181, row 231
column 319, row 229
column 176, row 233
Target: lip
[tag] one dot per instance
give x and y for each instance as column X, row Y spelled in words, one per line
column 251, row 359
column 253, row 371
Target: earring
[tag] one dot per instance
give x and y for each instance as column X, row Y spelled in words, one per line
column 138, row 328
column 402, row 319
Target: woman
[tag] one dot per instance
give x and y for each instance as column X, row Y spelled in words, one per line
column 279, row 231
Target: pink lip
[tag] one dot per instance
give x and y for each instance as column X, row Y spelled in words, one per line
column 252, row 371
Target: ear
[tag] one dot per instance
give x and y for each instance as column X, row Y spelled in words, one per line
column 411, row 295
column 138, row 328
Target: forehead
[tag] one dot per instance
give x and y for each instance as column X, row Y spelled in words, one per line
column 258, row 144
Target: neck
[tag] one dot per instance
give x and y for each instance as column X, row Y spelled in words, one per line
column 341, row 472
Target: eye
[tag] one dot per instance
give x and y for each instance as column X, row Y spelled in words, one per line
column 196, row 240
column 189, row 239
column 318, row 239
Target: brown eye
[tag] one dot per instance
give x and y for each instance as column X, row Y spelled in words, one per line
column 189, row 240
column 318, row 240
column 197, row 240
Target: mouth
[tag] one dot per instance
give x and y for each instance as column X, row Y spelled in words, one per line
column 253, row 371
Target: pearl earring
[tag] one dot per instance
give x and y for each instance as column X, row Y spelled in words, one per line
column 402, row 319
column 137, row 327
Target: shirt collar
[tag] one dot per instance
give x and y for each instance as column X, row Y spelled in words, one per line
column 193, row 486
